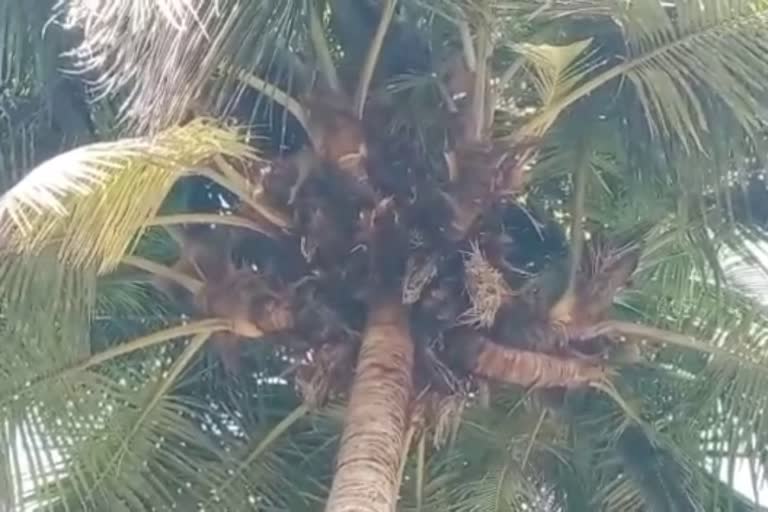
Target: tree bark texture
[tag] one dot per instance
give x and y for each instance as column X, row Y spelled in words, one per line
column 481, row 356
column 371, row 449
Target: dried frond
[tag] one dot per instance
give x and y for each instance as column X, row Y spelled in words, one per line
column 447, row 414
column 486, row 287
column 418, row 417
column 162, row 54
column 323, row 373
column 439, row 413
column 607, row 271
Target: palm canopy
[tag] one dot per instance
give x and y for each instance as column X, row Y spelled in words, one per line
column 634, row 128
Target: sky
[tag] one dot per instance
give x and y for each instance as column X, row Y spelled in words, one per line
column 743, row 484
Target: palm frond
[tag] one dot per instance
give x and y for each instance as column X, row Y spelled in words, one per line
column 682, row 58
column 165, row 53
column 130, row 436
column 101, row 474
column 135, row 431
column 500, row 460
column 33, row 129
column 261, row 458
column 372, row 58
column 555, row 70
column 500, row 490
column 433, row 479
column 730, row 329
column 93, row 202
column 744, row 265
column 65, row 298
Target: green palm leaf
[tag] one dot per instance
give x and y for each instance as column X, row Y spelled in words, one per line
column 555, row 70
column 94, row 201
column 679, row 58
column 726, row 363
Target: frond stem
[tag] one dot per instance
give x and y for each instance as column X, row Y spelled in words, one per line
column 577, row 220
column 209, row 218
column 532, row 441
column 242, row 189
column 209, row 326
column 672, row 338
column 420, row 468
column 181, row 363
column 479, row 112
column 322, row 51
column 277, row 95
column 484, row 394
column 232, row 174
column 252, row 194
column 406, row 448
column 164, row 271
column 274, row 434
column 498, row 495
column 510, row 73
column 467, row 45
column 366, row 75
column 561, row 309
column 236, row 187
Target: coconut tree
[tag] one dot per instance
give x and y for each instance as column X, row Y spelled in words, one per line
column 414, row 208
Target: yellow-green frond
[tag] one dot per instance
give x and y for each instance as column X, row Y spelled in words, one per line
column 555, row 72
column 93, row 201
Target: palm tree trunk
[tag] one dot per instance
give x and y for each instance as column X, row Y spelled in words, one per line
column 369, row 459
